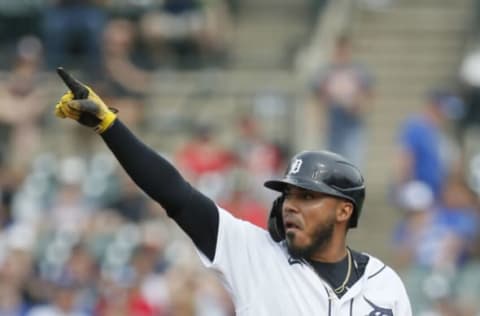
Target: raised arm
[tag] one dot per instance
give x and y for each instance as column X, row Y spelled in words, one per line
column 196, row 214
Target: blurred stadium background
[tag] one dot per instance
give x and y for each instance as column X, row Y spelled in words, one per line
column 224, row 88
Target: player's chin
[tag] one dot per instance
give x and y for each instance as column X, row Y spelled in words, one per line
column 296, row 241
column 297, row 251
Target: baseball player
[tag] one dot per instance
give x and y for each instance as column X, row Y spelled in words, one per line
column 301, row 265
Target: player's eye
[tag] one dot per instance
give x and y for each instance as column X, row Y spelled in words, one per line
column 307, row 196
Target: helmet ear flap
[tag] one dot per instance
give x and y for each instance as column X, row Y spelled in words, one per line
column 275, row 221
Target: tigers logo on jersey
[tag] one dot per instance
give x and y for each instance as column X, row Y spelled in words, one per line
column 295, row 167
column 377, row 310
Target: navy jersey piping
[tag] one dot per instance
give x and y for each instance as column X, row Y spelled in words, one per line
column 376, row 273
column 329, row 301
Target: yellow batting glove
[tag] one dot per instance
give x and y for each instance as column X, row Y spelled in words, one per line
column 83, row 105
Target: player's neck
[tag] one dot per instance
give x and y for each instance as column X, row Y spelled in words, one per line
column 334, row 251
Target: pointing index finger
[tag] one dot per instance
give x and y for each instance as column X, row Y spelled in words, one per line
column 78, row 89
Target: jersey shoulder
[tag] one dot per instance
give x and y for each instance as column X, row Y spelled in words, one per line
column 240, row 234
column 379, row 272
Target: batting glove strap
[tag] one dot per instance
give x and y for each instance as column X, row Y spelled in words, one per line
column 106, row 122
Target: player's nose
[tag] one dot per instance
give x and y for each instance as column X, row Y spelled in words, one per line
column 289, row 206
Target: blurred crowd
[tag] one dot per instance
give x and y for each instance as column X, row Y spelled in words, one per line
column 436, row 242
column 436, row 187
column 77, row 237
column 163, row 33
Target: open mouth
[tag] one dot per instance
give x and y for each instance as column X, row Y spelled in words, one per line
column 291, row 225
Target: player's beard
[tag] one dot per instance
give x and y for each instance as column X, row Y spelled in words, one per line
column 322, row 236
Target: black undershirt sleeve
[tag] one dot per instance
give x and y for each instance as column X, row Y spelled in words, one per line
column 195, row 213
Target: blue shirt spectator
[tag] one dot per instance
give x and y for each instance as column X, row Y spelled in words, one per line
column 426, row 154
column 421, row 138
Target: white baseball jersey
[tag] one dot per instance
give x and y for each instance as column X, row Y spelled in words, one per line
column 264, row 281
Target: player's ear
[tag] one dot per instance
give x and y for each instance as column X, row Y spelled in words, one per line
column 344, row 210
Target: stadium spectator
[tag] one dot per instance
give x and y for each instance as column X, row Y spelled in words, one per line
column 260, row 158
column 149, row 265
column 63, row 295
column 194, row 292
column 345, row 88
column 70, row 211
column 243, row 204
column 186, row 33
column 122, row 297
column 205, row 162
column 82, row 268
column 256, row 160
column 122, row 80
column 72, row 33
column 22, row 104
column 121, row 75
column 425, row 153
column 16, row 266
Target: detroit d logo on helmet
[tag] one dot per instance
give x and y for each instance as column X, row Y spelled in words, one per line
column 295, row 167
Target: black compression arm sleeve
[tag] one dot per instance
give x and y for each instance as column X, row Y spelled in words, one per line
column 196, row 214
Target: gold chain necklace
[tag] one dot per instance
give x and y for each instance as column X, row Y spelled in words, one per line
column 341, row 288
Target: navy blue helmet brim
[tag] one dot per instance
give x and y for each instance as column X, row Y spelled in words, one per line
column 280, row 185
